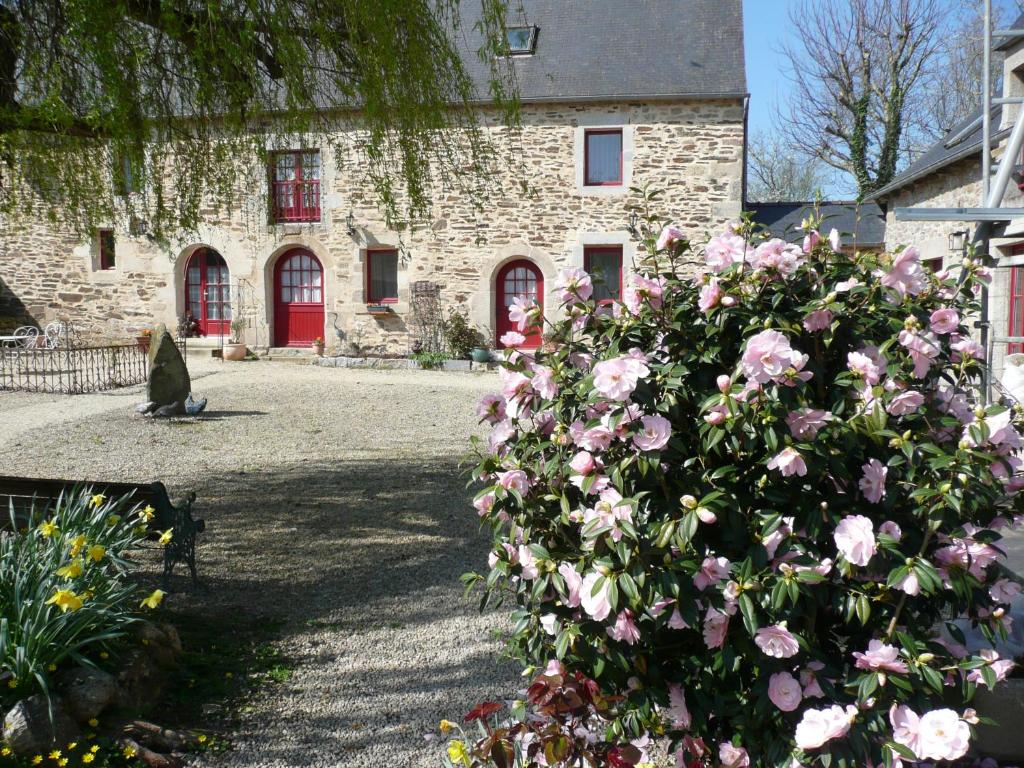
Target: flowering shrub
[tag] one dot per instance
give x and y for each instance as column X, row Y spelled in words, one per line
column 748, row 505
column 64, row 592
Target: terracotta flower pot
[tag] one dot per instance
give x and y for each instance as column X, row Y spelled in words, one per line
column 318, row 349
column 234, row 350
column 143, row 342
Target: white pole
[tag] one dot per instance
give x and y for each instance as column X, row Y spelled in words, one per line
column 986, row 107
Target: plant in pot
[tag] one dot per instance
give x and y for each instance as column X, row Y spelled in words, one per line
column 143, row 339
column 235, row 349
column 318, row 346
column 462, row 339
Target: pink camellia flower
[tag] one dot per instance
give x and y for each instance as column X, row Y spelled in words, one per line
column 809, row 680
column 501, row 434
column 905, row 402
column 596, row 438
column 909, row 584
column 617, row 378
column 514, row 480
column 777, row 641
column 784, row 691
column 710, row 293
column 855, row 539
column 716, row 625
column 624, row 630
column 862, row 365
column 1001, row 667
column 543, row 382
column 732, row 757
column 512, row 339
column 725, row 250
column 811, row 240
column 724, row 384
column 944, row 321
column 818, row 320
column 891, row 529
column 528, row 563
column 936, row 735
column 778, row 255
column 583, row 463
column 880, row 657
column 670, row 235
column 819, row 726
column 923, row 348
column 573, row 583
column 484, row 504
column 640, row 289
column 716, row 416
column 596, row 605
column 677, row 709
column 522, row 312
column 712, row 571
column 872, row 484
column 491, row 408
column 805, row 423
column 789, row 462
column 906, row 276
column 769, row 356
column 573, row 283
column 1004, row 590
column 834, row 240
column 906, row 728
column 655, row 433
column 966, row 348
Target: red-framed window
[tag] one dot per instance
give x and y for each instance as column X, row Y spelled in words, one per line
column 602, row 157
column 1016, row 300
column 108, row 253
column 295, row 185
column 604, row 264
column 382, row 277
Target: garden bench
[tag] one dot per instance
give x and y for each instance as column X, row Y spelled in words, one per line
column 20, row 493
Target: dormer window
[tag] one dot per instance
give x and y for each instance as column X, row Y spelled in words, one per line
column 521, row 40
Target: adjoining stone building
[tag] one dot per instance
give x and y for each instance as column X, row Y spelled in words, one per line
column 612, row 97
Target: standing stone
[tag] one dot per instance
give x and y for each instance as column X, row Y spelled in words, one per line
column 169, row 382
column 28, row 729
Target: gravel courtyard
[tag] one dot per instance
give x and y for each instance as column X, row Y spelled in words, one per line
column 335, row 502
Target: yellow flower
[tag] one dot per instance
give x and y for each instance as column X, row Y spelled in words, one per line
column 153, row 600
column 104, row 655
column 130, row 752
column 37, row 760
column 72, row 570
column 12, row 683
column 54, row 755
column 96, row 552
column 62, row 762
column 166, row 536
column 5, row 751
column 77, row 543
column 95, row 747
column 445, row 726
column 72, row 744
column 48, row 528
column 457, row 752
column 97, row 500
column 113, row 520
column 51, row 667
column 88, row 757
column 201, row 738
column 147, row 513
column 66, row 600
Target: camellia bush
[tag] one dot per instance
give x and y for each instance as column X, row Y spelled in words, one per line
column 742, row 508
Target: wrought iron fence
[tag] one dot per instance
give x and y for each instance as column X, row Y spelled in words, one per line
column 74, row 370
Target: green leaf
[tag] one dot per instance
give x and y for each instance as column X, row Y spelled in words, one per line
column 933, row 678
column 749, row 614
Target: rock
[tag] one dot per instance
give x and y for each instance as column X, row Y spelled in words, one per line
column 162, row 643
column 139, row 681
column 29, row 730
column 145, row 407
column 169, row 381
column 87, row 692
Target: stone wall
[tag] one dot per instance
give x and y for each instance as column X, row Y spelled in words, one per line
column 693, row 150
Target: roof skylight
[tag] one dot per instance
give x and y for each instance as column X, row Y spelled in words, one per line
column 521, row 40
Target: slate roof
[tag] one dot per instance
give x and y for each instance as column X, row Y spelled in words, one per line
column 862, row 222
column 944, row 152
column 623, row 49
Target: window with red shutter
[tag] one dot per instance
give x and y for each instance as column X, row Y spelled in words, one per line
column 295, row 185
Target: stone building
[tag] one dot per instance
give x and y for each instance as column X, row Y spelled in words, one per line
column 612, row 98
column 948, row 175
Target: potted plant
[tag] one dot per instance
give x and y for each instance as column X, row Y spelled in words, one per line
column 318, row 346
column 235, row 349
column 143, row 339
column 481, row 353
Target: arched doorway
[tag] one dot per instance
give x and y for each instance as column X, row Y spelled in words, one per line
column 520, row 278
column 298, row 299
column 208, row 292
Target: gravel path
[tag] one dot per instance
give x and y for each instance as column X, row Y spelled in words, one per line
column 334, row 501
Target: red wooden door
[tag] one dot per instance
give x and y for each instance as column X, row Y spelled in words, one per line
column 208, row 292
column 298, row 299
column 523, row 279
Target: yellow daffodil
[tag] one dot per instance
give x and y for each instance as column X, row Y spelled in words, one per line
column 113, row 520
column 130, row 752
column 72, row 570
column 147, row 513
column 166, row 536
column 445, row 726
column 154, row 600
column 88, row 757
column 48, row 528
column 54, row 755
column 96, row 552
column 77, row 543
column 457, row 752
column 97, row 500
column 66, row 600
